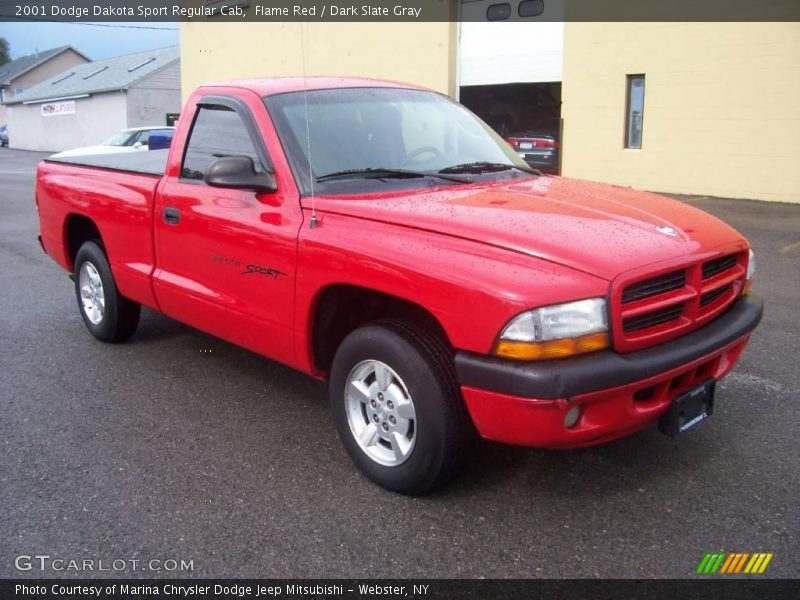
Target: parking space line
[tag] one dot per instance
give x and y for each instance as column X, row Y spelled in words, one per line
column 790, row 247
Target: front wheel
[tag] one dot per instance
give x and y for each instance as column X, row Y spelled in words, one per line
column 108, row 315
column 397, row 406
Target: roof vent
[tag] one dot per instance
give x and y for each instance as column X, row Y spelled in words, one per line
column 93, row 73
column 4, row 73
column 141, row 64
column 60, row 79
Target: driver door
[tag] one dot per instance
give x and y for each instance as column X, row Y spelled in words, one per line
column 226, row 257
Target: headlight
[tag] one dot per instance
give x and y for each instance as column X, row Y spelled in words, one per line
column 556, row 331
column 751, row 270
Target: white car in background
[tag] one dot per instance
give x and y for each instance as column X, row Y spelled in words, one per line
column 128, row 140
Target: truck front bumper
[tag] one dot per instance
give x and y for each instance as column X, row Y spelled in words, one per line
column 526, row 403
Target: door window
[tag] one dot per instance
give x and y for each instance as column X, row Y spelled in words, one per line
column 217, row 132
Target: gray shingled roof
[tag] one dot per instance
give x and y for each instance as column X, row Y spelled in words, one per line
column 116, row 73
column 15, row 68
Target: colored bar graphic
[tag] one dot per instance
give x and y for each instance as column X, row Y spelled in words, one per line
column 727, row 564
column 734, row 562
column 730, row 564
column 764, row 564
column 740, row 564
column 718, row 563
column 755, row 563
column 703, row 563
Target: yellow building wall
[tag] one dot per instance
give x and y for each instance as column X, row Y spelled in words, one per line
column 721, row 108
column 419, row 53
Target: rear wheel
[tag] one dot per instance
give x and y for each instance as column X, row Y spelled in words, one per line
column 107, row 314
column 397, row 406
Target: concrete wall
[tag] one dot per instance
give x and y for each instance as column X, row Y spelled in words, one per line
column 721, row 108
column 150, row 107
column 150, row 100
column 95, row 119
column 420, row 53
column 49, row 68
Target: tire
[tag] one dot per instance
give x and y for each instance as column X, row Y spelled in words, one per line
column 109, row 316
column 377, row 371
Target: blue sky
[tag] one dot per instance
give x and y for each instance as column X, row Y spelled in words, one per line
column 95, row 42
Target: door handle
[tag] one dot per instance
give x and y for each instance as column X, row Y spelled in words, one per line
column 172, row 216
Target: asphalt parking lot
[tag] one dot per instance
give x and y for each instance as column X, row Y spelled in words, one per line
column 179, row 446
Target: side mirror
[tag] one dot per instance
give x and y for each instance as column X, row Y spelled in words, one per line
column 239, row 173
column 137, row 145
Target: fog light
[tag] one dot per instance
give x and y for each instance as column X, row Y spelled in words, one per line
column 572, row 417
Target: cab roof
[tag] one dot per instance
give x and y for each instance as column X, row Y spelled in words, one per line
column 270, row 86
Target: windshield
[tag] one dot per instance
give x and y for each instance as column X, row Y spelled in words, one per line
column 123, row 138
column 370, row 131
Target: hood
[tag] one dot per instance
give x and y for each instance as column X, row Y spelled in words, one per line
column 600, row 229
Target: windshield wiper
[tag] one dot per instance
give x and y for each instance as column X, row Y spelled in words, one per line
column 486, row 167
column 386, row 173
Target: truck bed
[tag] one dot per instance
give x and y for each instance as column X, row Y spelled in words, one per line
column 116, row 191
column 151, row 162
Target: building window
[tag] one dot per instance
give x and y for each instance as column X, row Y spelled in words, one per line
column 634, row 111
column 18, row 91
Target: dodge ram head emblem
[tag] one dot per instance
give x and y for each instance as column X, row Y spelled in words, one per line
column 667, row 230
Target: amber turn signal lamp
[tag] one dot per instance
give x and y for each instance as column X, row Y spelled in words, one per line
column 553, row 348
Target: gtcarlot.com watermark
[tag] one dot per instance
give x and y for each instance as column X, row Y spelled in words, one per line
column 45, row 562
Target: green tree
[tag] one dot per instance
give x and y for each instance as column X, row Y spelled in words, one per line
column 4, row 57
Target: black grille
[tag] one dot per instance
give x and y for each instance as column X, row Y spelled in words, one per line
column 709, row 297
column 646, row 288
column 718, row 265
column 651, row 319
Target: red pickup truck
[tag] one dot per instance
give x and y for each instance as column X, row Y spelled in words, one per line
column 383, row 238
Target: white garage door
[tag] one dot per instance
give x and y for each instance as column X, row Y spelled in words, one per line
column 497, row 53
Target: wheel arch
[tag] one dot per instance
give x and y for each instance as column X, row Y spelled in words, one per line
column 78, row 229
column 338, row 309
